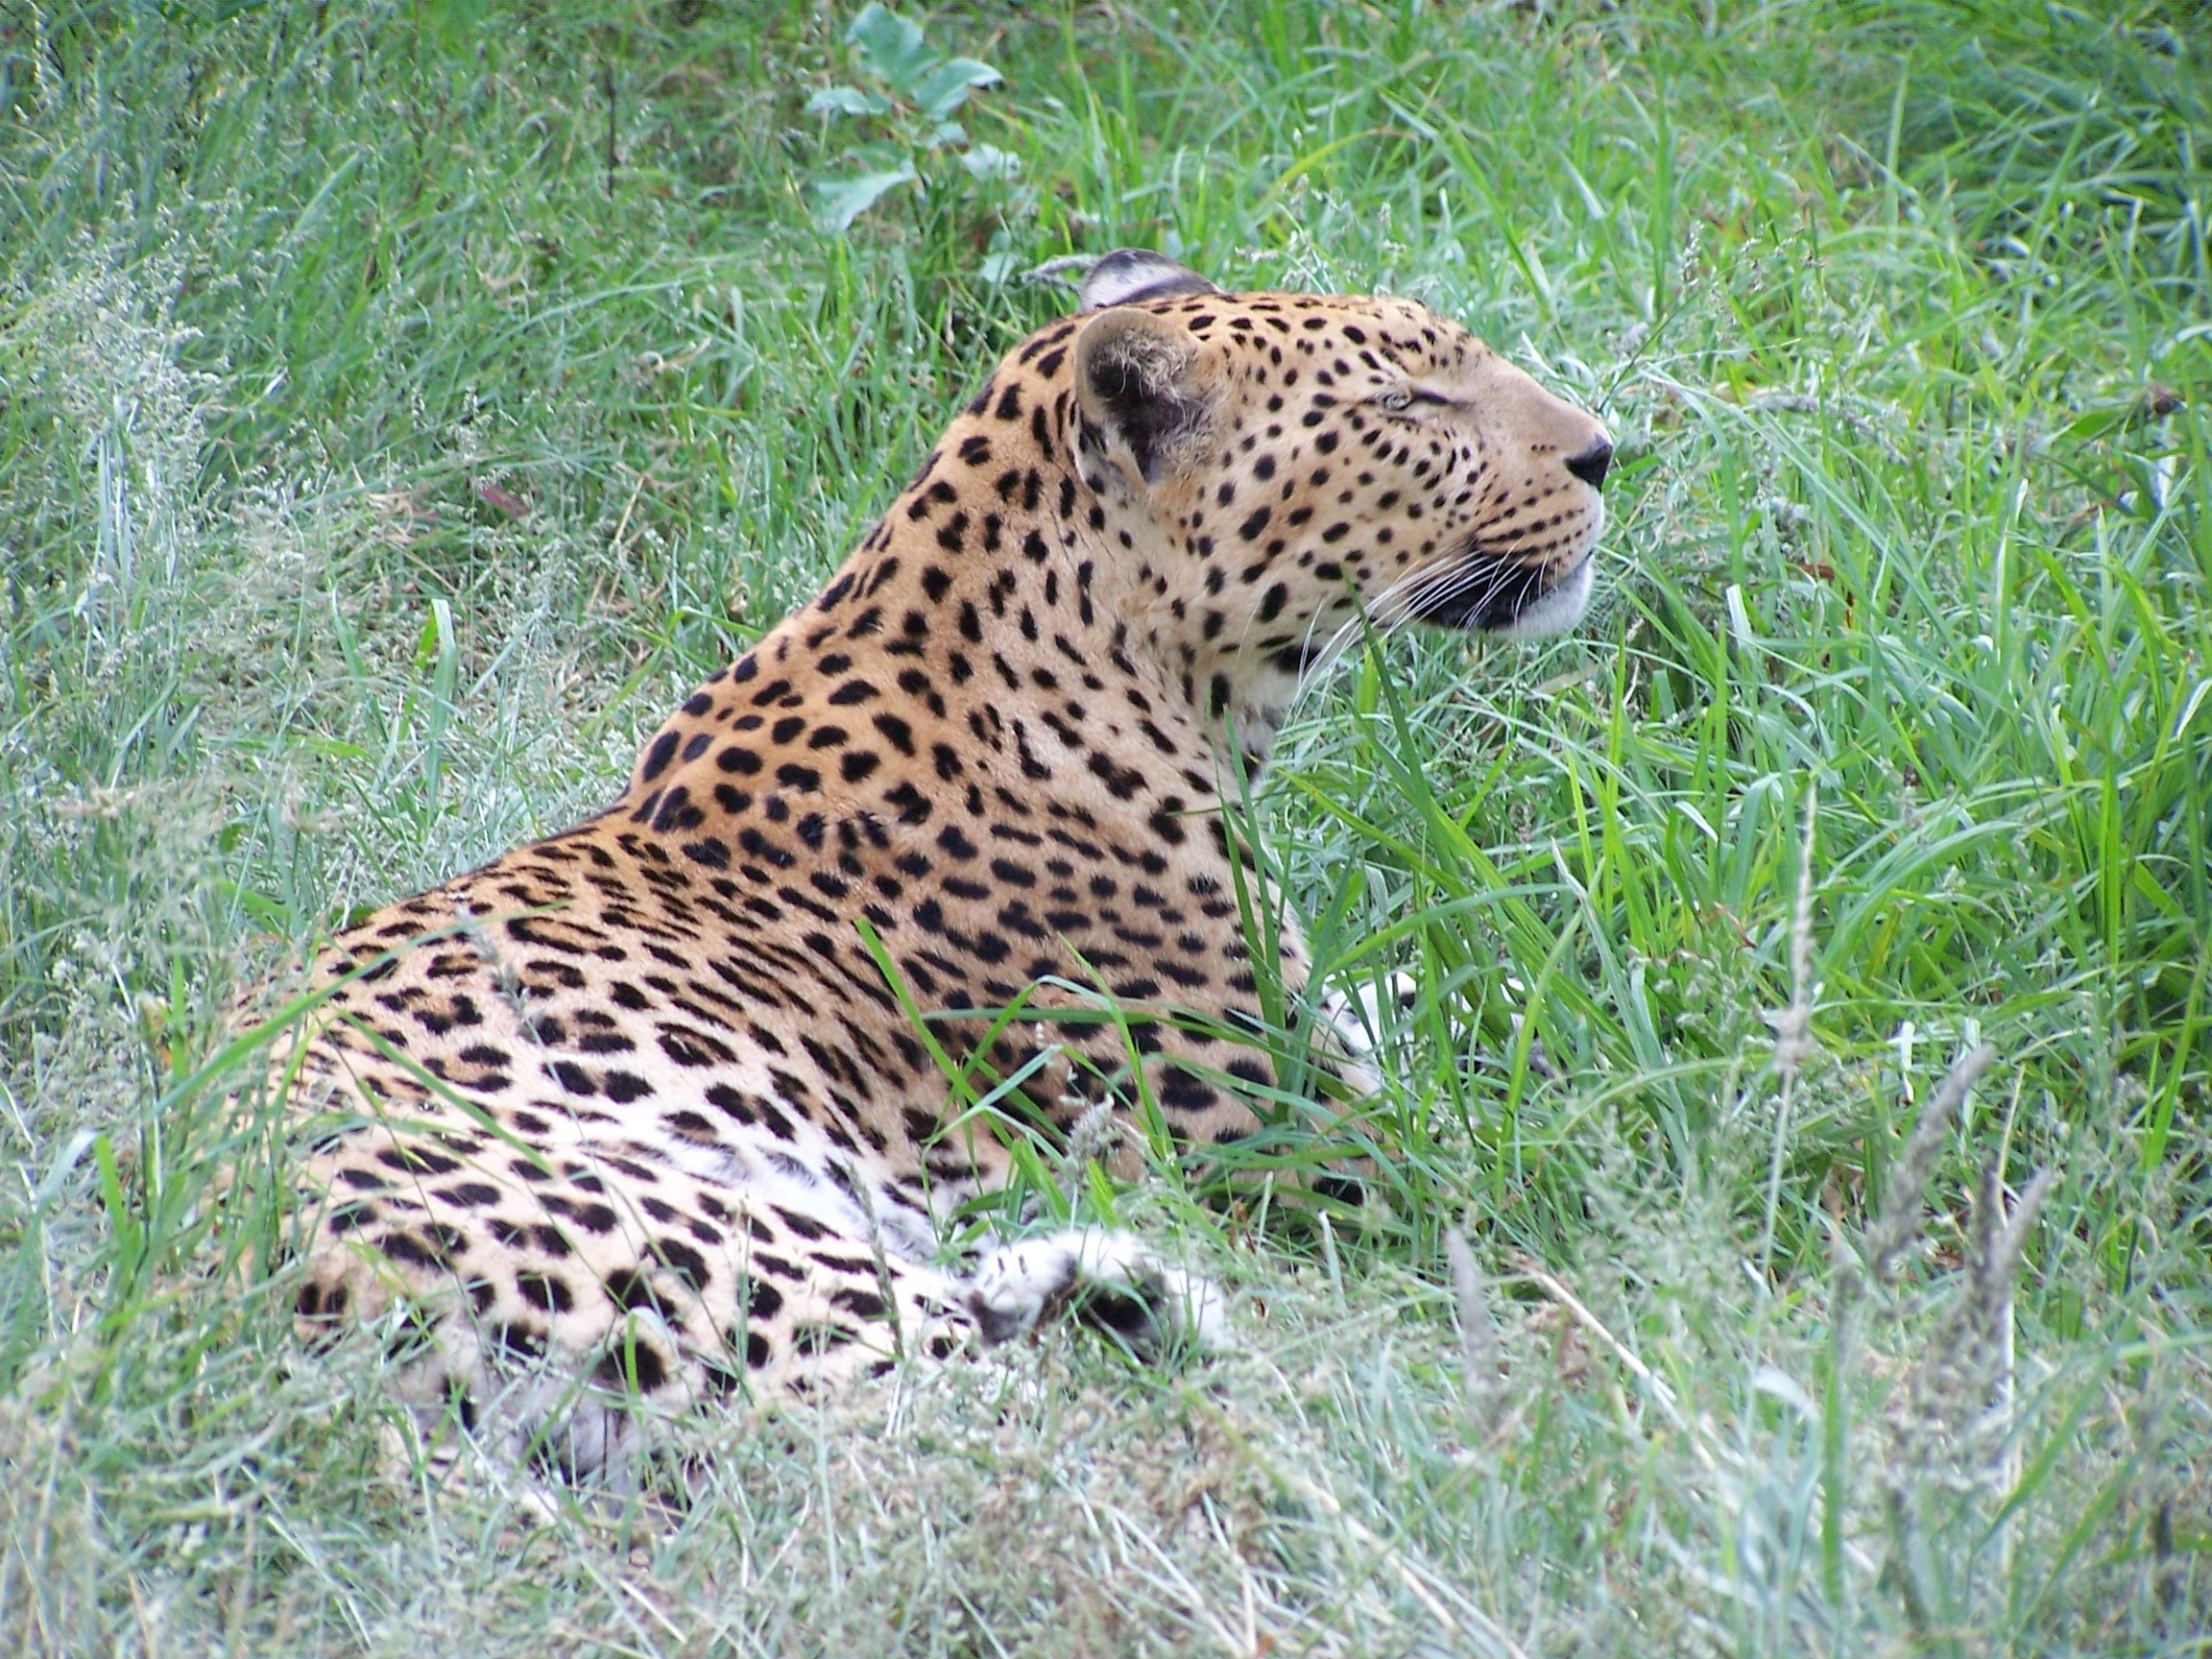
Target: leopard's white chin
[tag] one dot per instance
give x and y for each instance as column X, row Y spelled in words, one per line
column 1559, row 607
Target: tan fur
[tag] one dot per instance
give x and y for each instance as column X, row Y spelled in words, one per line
column 636, row 1103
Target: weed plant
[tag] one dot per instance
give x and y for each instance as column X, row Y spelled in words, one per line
column 402, row 405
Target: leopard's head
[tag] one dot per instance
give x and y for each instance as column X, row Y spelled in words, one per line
column 1276, row 467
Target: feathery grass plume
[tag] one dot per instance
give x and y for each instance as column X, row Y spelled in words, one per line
column 1948, row 1426
column 1954, row 1416
column 1949, row 1423
column 1898, row 1227
column 1794, row 1043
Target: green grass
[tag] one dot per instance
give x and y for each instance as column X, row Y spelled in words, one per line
column 378, row 459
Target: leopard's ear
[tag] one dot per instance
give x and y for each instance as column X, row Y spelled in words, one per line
column 1130, row 275
column 1142, row 385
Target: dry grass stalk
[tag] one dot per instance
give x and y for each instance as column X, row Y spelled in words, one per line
column 1654, row 1385
column 1482, row 1360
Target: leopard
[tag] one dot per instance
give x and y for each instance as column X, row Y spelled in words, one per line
column 681, row 1105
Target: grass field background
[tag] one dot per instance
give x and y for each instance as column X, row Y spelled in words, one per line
column 401, row 407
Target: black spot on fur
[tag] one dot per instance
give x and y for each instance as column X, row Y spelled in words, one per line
column 658, row 757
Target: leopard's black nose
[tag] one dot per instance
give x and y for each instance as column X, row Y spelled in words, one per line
column 1590, row 466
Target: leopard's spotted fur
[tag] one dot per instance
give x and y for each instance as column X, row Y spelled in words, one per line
column 634, row 1109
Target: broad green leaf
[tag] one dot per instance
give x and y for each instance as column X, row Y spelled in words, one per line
column 844, row 199
column 946, row 87
column 846, row 101
column 889, row 45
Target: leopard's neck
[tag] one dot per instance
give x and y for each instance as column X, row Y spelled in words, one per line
column 999, row 631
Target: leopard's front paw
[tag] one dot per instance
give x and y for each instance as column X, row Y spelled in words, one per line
column 1110, row 1279
column 1364, row 1018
